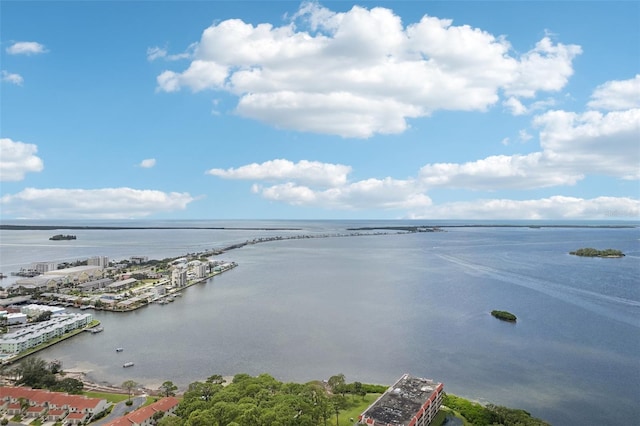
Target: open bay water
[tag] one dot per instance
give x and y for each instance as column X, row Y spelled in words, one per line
column 376, row 306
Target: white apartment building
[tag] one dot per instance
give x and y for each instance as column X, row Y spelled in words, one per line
column 31, row 336
column 42, row 267
column 201, row 270
column 102, row 261
column 139, row 259
column 179, row 277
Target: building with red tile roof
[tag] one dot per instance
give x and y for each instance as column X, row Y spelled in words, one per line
column 53, row 405
column 144, row 416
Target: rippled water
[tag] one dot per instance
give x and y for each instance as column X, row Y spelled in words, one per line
column 374, row 307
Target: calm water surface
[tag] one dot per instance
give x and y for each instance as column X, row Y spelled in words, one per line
column 374, row 307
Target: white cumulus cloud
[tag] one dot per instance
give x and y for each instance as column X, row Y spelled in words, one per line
column 386, row 194
column 307, row 172
column 148, row 163
column 592, row 142
column 498, row 172
column 363, row 72
column 547, row 67
column 156, row 52
column 572, row 145
column 556, row 207
column 12, row 78
column 17, row 159
column 325, row 185
column 617, row 95
column 106, row 203
column 26, row 48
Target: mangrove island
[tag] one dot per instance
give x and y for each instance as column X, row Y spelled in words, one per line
column 59, row 237
column 504, row 316
column 591, row 252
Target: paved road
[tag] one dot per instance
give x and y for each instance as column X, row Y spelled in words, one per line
column 120, row 408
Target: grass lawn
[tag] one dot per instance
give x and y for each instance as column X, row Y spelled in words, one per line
column 356, row 406
column 110, row 397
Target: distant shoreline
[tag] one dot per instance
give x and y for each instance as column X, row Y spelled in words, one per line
column 115, row 228
column 365, row 228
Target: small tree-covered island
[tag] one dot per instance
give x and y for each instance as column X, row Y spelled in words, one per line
column 591, row 252
column 60, row 237
column 504, row 316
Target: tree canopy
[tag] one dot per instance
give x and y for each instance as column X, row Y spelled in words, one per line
column 591, row 252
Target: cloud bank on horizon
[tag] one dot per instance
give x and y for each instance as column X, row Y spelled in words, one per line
column 357, row 84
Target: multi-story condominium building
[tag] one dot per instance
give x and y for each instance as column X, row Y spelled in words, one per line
column 411, row 401
column 201, row 270
column 179, row 277
column 139, row 259
column 102, row 261
column 42, row 267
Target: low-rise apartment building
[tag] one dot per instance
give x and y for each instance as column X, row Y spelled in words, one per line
column 52, row 406
column 36, row 334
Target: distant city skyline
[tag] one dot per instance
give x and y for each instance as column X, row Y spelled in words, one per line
column 320, row 110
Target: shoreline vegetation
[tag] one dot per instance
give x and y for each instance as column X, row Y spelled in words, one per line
column 591, row 252
column 243, row 399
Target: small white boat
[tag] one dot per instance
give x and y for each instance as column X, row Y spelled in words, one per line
column 119, row 349
column 127, row 364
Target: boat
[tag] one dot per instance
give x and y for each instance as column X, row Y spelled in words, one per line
column 96, row 330
column 119, row 349
column 127, row 364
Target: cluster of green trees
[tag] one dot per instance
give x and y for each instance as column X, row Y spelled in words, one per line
column 338, row 385
column 258, row 401
column 591, row 252
column 490, row 415
column 37, row 373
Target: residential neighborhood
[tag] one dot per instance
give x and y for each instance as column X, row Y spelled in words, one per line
column 28, row 404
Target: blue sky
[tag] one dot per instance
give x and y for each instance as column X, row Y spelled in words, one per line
column 320, row 110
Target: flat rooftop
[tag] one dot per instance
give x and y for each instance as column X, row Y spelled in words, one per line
column 73, row 270
column 402, row 401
